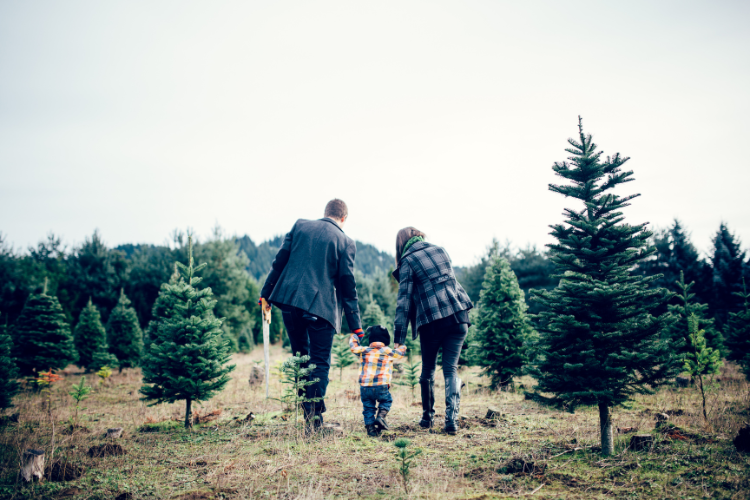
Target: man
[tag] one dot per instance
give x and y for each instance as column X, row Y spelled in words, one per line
column 312, row 282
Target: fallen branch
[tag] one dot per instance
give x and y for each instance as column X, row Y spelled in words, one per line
column 535, row 489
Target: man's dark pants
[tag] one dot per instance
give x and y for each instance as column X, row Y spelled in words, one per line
column 311, row 336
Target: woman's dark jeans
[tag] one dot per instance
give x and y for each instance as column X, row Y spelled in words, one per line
column 451, row 338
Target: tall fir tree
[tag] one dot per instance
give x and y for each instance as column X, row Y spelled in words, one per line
column 124, row 334
column 679, row 329
column 372, row 316
column 503, row 331
column 599, row 344
column 41, row 336
column 187, row 356
column 89, row 335
column 737, row 333
column 8, row 369
column 728, row 266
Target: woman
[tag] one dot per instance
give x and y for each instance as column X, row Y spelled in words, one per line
column 430, row 298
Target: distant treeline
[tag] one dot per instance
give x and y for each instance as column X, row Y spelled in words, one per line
column 95, row 271
column 237, row 267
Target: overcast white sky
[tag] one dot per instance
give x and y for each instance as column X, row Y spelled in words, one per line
column 140, row 117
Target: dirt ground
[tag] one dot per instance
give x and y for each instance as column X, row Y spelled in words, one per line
column 529, row 450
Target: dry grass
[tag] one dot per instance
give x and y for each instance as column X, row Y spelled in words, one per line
column 531, row 449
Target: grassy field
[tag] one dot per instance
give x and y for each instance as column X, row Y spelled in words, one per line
column 531, row 450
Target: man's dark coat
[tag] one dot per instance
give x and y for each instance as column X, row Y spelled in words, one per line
column 314, row 271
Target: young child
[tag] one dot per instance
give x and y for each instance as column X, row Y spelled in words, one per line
column 375, row 376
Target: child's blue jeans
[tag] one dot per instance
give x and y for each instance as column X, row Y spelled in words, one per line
column 371, row 395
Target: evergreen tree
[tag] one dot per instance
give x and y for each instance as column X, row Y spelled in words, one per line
column 343, row 356
column 701, row 362
column 243, row 344
column 89, row 335
column 738, row 333
column 728, row 265
column 41, row 336
column 8, row 370
column 503, row 331
column 678, row 330
column 599, row 343
column 124, row 334
column 186, row 359
column 372, row 316
column 103, row 358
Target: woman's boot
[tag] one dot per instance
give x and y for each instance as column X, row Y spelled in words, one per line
column 452, row 403
column 428, row 404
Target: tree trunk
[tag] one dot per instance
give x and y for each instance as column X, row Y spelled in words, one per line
column 114, row 433
column 33, row 465
column 187, row 413
column 703, row 395
column 605, row 425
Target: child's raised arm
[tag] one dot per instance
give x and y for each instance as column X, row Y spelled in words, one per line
column 399, row 352
column 354, row 344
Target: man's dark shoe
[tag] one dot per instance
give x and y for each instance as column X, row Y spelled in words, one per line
column 372, row 431
column 380, row 419
column 428, row 404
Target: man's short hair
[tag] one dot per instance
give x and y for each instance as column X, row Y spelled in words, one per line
column 336, row 209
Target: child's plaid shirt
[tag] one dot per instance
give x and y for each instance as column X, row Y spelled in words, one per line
column 376, row 361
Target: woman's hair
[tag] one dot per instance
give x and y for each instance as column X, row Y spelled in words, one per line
column 402, row 237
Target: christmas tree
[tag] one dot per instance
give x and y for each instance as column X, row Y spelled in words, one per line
column 124, row 334
column 8, row 370
column 186, row 358
column 372, row 316
column 728, row 263
column 738, row 333
column 503, row 331
column 679, row 329
column 599, row 343
column 89, row 335
column 41, row 336
column 343, row 356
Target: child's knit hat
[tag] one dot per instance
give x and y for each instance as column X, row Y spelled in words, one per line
column 379, row 334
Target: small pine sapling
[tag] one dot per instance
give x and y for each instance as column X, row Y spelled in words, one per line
column 295, row 380
column 79, row 393
column 104, row 373
column 44, row 381
column 404, row 460
column 701, row 362
column 411, row 377
column 344, row 357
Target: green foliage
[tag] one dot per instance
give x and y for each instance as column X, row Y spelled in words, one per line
column 89, row 335
column 104, row 373
column 186, row 359
column 404, row 459
column 79, row 393
column 103, row 358
column 229, row 282
column 701, row 361
column 410, row 377
column 8, row 370
column 295, row 380
column 503, row 332
column 343, row 356
column 124, row 334
column 738, row 333
column 728, row 262
column 599, row 343
column 372, row 316
column 678, row 329
column 41, row 336
column 243, row 344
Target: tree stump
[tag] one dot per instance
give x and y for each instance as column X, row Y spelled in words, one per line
column 682, row 381
column 114, row 433
column 661, row 419
column 493, row 413
column 641, row 442
column 33, row 465
column 256, row 376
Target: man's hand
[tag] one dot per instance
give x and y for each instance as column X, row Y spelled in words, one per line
column 396, row 345
column 266, row 308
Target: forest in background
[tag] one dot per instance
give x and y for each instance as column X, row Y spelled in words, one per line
column 237, row 268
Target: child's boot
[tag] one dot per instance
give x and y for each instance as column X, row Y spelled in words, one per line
column 372, row 430
column 380, row 419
